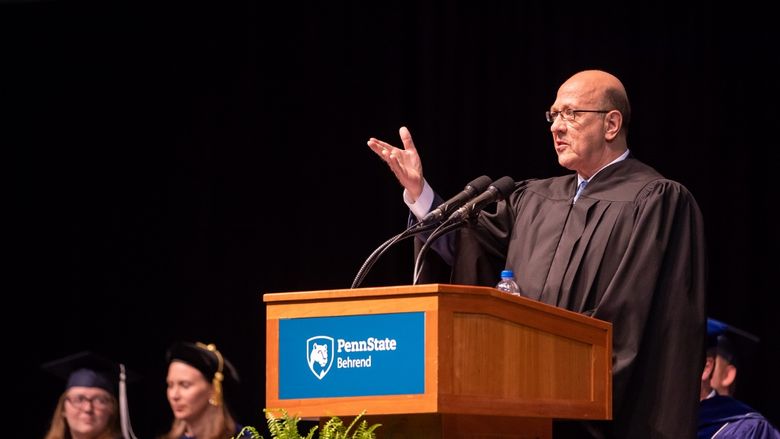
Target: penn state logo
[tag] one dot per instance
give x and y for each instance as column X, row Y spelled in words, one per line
column 319, row 352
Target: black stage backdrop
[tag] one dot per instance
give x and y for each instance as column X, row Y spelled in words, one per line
column 173, row 162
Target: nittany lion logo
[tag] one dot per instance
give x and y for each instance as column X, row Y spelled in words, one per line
column 319, row 352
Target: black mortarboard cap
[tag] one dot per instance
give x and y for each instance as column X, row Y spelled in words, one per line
column 208, row 360
column 731, row 343
column 204, row 357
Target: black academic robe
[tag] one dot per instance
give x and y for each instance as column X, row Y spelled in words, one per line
column 631, row 251
column 725, row 417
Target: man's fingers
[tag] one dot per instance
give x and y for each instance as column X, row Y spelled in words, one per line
column 406, row 138
column 381, row 143
column 374, row 146
column 379, row 148
column 390, row 153
column 395, row 165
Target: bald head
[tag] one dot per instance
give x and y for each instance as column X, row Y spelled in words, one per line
column 601, row 89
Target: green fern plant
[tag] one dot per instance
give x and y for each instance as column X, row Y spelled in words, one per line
column 286, row 427
column 250, row 431
column 334, row 429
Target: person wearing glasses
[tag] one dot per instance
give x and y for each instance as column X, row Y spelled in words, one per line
column 197, row 376
column 614, row 240
column 94, row 404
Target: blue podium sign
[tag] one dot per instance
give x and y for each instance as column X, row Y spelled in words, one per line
column 364, row 355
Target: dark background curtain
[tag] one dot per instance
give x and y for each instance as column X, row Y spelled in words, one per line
column 172, row 162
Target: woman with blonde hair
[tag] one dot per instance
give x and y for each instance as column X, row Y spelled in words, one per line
column 93, row 405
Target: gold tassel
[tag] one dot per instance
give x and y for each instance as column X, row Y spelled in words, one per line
column 218, row 377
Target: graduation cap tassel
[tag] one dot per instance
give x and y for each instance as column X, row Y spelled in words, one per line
column 124, row 409
column 218, row 377
column 217, row 389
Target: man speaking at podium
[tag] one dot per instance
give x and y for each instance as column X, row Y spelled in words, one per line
column 614, row 240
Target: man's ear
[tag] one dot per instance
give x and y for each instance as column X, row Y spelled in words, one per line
column 709, row 365
column 725, row 379
column 731, row 376
column 613, row 121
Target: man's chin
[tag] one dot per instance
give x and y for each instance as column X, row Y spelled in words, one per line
column 566, row 162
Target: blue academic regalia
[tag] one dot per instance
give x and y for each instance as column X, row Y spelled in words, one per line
column 723, row 417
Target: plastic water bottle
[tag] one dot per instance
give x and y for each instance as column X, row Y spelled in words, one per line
column 508, row 283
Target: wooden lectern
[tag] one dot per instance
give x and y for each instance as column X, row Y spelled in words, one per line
column 491, row 365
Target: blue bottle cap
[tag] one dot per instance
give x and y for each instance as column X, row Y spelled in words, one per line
column 507, row 273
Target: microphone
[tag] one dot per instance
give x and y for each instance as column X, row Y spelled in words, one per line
column 475, row 187
column 499, row 190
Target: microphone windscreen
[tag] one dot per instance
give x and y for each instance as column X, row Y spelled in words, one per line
column 505, row 185
column 480, row 184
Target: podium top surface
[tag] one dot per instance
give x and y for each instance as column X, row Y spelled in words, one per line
column 417, row 290
column 377, row 292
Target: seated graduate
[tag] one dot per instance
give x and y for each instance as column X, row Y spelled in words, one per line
column 721, row 415
column 94, row 403
column 197, row 376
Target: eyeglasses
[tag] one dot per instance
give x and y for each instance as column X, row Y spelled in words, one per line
column 97, row 401
column 568, row 114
